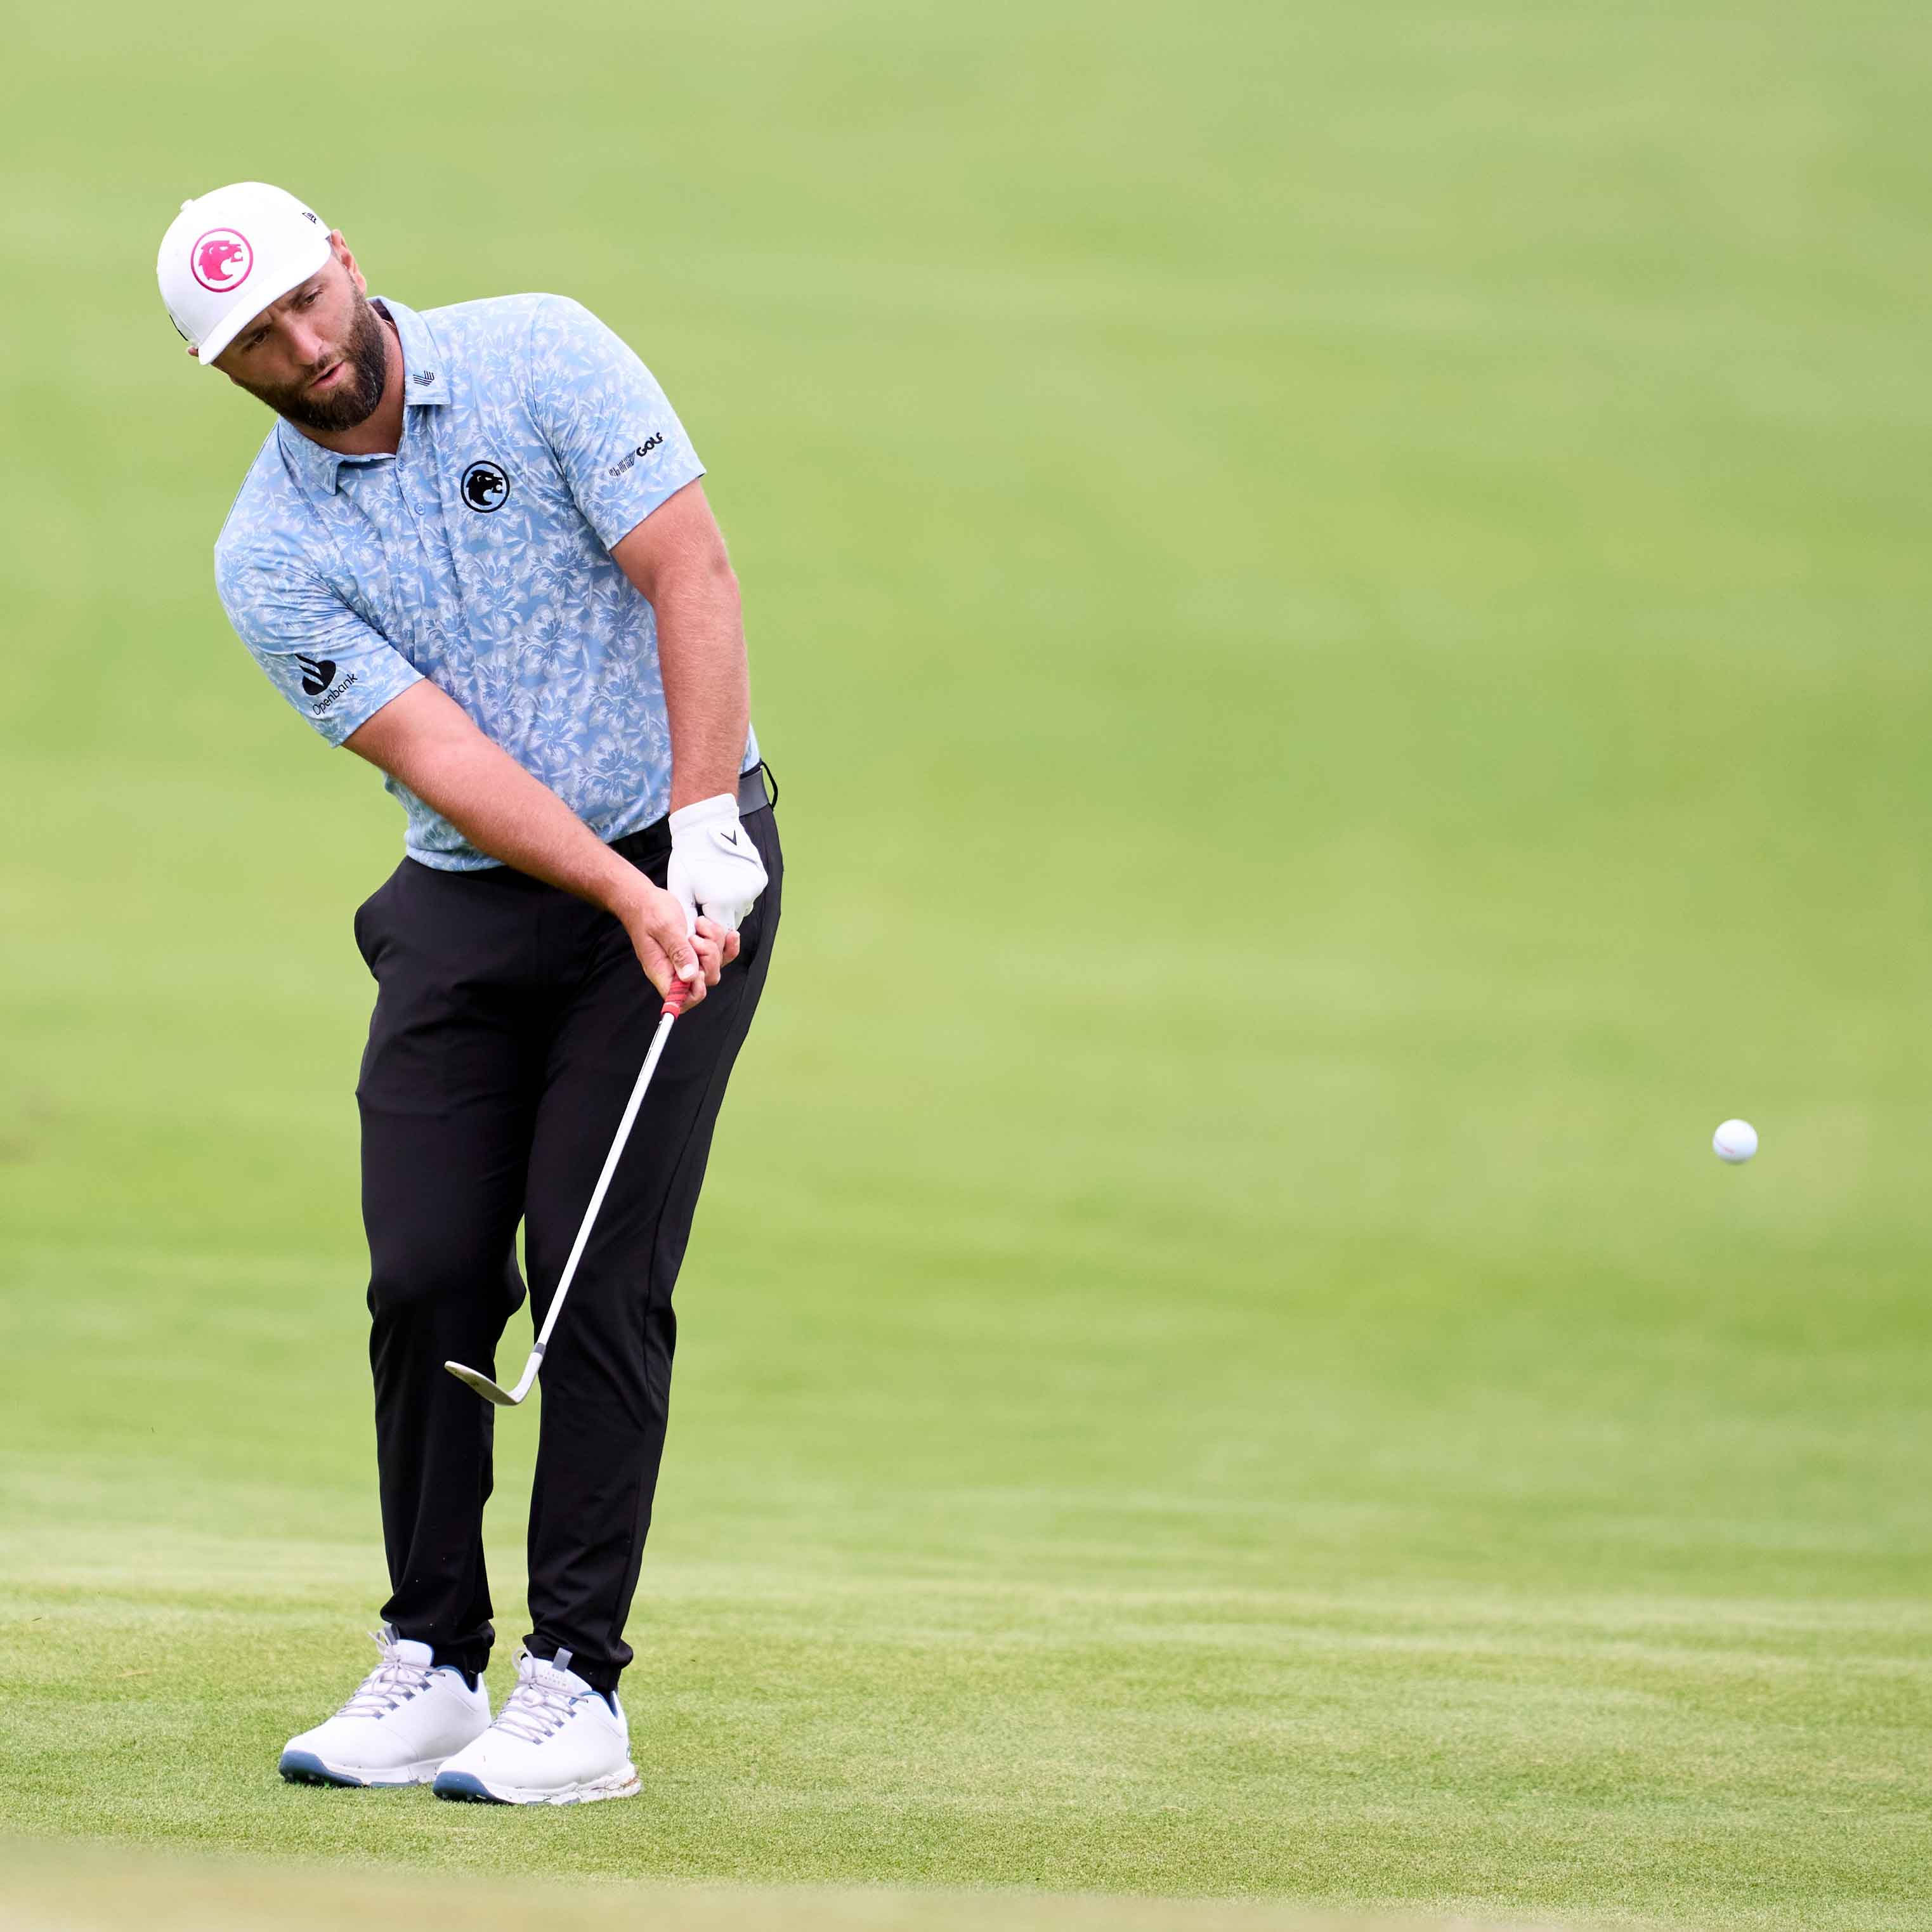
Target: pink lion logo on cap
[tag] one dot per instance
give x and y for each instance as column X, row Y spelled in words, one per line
column 221, row 260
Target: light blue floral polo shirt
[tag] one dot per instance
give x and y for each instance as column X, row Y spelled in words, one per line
column 478, row 556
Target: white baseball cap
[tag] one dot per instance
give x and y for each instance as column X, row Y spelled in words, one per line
column 228, row 254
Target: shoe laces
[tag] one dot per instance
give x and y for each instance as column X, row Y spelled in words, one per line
column 541, row 1704
column 393, row 1682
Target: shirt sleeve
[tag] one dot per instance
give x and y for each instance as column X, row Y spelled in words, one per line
column 336, row 670
column 621, row 446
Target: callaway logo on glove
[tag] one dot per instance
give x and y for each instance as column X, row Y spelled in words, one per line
column 714, row 868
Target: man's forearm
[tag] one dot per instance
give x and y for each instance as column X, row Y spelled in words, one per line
column 426, row 741
column 677, row 558
column 707, row 688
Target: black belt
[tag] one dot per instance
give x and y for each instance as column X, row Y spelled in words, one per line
column 653, row 841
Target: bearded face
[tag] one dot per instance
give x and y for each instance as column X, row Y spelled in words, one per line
column 325, row 372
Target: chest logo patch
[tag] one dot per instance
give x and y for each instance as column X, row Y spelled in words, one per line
column 485, row 487
column 221, row 260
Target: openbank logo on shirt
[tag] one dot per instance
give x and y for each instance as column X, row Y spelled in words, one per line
column 318, row 675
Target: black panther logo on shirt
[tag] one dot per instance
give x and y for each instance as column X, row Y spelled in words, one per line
column 485, row 487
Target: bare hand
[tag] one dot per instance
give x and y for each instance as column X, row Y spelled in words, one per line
column 717, row 947
column 655, row 923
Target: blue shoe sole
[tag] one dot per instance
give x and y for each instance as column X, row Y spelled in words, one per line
column 460, row 1787
column 305, row 1768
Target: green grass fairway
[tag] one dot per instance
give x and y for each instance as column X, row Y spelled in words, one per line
column 45, row 1889
column 1338, row 595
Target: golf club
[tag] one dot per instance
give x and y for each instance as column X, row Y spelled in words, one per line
column 509, row 1398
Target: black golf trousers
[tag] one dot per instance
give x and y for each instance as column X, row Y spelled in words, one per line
column 511, row 1021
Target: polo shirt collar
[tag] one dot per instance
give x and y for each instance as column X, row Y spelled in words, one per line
column 425, row 384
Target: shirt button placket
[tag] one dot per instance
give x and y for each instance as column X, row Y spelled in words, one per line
column 426, row 507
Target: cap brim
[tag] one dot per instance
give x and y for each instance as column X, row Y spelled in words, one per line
column 252, row 304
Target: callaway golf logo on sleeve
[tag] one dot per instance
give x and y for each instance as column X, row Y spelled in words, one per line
column 484, row 486
column 221, row 260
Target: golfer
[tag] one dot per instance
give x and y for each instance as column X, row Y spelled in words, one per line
column 474, row 549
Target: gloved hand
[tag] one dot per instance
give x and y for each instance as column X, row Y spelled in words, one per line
column 714, row 868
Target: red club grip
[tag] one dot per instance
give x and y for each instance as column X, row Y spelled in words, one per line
column 674, row 999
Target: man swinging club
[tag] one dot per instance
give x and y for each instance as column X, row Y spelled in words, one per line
column 474, row 549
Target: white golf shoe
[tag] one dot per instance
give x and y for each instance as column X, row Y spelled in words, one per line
column 405, row 1721
column 556, row 1741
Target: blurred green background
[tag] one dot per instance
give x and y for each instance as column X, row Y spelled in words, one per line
column 1337, row 595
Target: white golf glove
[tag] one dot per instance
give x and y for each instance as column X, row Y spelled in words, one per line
column 714, row 868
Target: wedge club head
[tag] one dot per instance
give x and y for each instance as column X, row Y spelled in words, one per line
column 489, row 1391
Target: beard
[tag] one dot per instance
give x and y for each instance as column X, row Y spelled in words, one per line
column 353, row 399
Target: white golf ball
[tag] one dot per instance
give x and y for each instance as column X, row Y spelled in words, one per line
column 1736, row 1141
